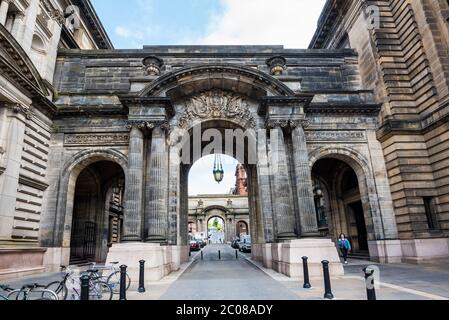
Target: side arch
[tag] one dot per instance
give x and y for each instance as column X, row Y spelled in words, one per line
column 67, row 185
column 368, row 190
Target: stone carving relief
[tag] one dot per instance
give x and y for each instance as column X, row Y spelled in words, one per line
column 284, row 123
column 352, row 136
column 215, row 105
column 97, row 139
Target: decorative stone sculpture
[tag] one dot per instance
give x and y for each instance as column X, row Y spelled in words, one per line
column 217, row 104
column 153, row 65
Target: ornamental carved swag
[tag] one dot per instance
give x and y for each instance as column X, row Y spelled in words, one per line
column 217, row 105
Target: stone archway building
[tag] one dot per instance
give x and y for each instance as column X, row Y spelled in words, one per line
column 382, row 129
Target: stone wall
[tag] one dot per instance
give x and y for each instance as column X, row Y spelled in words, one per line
column 405, row 62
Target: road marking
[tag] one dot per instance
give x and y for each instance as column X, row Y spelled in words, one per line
column 407, row 290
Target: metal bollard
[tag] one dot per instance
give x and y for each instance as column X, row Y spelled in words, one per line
column 219, row 255
column 369, row 280
column 327, row 281
column 202, row 255
column 123, row 282
column 85, row 280
column 142, row 277
column 236, row 255
column 305, row 264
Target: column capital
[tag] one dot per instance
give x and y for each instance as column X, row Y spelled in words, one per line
column 20, row 109
column 277, row 124
column 287, row 123
column 150, row 125
column 295, row 123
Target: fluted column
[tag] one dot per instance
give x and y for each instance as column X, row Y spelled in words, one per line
column 132, row 222
column 4, row 7
column 156, row 214
column 303, row 176
column 282, row 190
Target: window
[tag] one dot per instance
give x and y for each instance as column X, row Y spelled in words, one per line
column 432, row 220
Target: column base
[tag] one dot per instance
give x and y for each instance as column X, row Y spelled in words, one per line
column 131, row 239
column 414, row 251
column 160, row 261
column 286, row 258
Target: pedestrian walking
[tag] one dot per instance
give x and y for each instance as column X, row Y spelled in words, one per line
column 345, row 246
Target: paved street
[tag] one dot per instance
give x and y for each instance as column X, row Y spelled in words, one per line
column 228, row 279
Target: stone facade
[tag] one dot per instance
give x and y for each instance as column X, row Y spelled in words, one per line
column 93, row 147
column 30, row 34
column 402, row 47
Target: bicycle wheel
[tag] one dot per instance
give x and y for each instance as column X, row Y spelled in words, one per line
column 47, row 295
column 100, row 291
column 114, row 281
column 59, row 288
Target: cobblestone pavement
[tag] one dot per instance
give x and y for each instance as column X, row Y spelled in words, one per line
column 243, row 279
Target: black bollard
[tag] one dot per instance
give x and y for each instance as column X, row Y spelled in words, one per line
column 85, row 281
column 369, row 280
column 202, row 255
column 123, row 282
column 219, row 255
column 142, row 277
column 327, row 281
column 236, row 255
column 305, row 264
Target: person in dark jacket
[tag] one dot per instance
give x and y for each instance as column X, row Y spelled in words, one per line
column 345, row 246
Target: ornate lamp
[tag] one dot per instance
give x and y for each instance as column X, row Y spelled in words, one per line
column 218, row 169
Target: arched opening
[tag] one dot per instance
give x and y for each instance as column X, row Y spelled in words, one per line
column 97, row 212
column 236, row 201
column 38, row 53
column 242, row 229
column 341, row 204
column 216, row 230
column 212, row 203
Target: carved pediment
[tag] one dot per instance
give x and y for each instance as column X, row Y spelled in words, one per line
column 217, row 104
column 15, row 64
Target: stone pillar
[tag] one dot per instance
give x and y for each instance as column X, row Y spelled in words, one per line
column 26, row 28
column 282, row 194
column 265, row 199
column 9, row 179
column 304, row 185
column 4, row 6
column 132, row 221
column 52, row 51
column 157, row 184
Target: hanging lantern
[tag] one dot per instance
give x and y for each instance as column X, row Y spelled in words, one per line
column 218, row 169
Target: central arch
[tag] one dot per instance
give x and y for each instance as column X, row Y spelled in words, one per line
column 228, row 77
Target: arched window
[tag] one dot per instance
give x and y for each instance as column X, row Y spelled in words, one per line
column 38, row 54
column 38, row 44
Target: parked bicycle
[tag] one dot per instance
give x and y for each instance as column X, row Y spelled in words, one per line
column 71, row 283
column 113, row 275
column 29, row 292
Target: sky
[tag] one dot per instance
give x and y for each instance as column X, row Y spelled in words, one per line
column 201, row 178
column 131, row 24
column 134, row 23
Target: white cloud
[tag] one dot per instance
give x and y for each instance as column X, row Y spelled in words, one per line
column 262, row 22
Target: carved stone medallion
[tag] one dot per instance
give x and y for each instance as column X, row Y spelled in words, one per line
column 217, row 104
